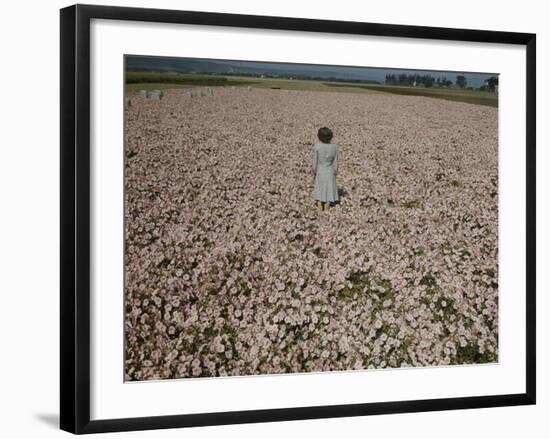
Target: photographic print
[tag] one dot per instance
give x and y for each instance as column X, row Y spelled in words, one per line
column 291, row 218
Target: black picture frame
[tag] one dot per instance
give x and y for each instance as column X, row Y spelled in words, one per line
column 75, row 217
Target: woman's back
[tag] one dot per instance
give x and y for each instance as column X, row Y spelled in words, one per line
column 326, row 153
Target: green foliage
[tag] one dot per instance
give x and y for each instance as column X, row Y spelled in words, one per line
column 359, row 280
column 470, row 354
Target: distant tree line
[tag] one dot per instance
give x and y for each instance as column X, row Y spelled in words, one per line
column 419, row 80
column 461, row 81
column 490, row 84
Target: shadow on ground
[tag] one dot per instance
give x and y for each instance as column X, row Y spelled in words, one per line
column 342, row 193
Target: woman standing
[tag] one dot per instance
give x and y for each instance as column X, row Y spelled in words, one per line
column 325, row 166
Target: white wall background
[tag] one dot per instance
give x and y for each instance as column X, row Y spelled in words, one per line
column 29, row 200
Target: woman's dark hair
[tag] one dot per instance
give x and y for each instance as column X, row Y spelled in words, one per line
column 324, row 134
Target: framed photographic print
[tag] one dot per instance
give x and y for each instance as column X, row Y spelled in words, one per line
column 276, row 218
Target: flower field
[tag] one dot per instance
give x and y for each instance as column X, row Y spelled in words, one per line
column 231, row 269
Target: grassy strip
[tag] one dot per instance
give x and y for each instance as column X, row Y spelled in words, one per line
column 161, row 81
column 180, row 78
column 467, row 96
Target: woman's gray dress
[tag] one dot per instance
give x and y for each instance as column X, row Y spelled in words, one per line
column 325, row 166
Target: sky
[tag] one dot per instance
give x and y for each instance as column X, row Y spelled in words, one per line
column 135, row 62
